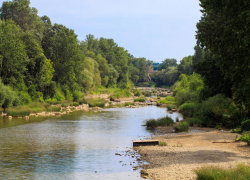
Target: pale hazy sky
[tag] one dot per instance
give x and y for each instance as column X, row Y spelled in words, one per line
column 154, row 29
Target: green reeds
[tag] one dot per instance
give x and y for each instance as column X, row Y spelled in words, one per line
column 165, row 121
column 139, row 99
column 241, row 171
column 182, row 127
column 18, row 111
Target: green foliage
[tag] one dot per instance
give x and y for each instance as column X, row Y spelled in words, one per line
column 245, row 125
column 139, row 99
column 129, row 104
column 152, row 123
column 187, row 106
column 188, row 89
column 137, row 92
column 193, row 121
column 161, row 143
column 230, row 47
column 218, row 110
column 74, row 104
column 77, row 95
column 171, row 106
column 53, row 109
column 165, row 121
column 18, row 111
column 95, row 102
column 245, row 137
column 147, row 93
column 182, row 127
column 241, row 171
column 69, row 95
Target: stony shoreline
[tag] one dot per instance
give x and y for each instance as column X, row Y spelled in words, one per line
column 186, row 152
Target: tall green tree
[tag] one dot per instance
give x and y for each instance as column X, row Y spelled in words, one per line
column 223, row 29
column 13, row 57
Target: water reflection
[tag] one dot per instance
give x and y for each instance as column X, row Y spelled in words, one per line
column 77, row 146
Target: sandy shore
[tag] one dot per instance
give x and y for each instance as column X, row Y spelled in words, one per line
column 186, row 152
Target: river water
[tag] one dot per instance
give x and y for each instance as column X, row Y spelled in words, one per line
column 78, row 146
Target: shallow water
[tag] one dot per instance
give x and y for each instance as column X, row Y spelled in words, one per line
column 77, row 146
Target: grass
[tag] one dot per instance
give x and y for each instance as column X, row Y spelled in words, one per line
column 245, row 137
column 171, row 106
column 53, row 109
column 182, row 127
column 139, row 99
column 129, row 104
column 168, row 100
column 95, row 102
column 18, row 111
column 120, row 93
column 241, row 171
column 165, row 121
column 162, row 143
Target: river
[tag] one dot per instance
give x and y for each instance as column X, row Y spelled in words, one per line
column 78, row 146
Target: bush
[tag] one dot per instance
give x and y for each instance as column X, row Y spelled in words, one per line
column 182, row 127
column 147, row 93
column 241, row 171
column 95, row 102
column 171, row 106
column 77, row 95
column 74, row 104
column 193, row 121
column 139, row 99
column 165, row 121
column 245, row 126
column 151, row 123
column 137, row 92
column 187, row 106
column 245, row 137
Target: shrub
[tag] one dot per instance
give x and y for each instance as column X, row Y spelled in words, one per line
column 245, row 126
column 69, row 95
column 193, row 121
column 137, row 92
column 139, row 99
column 171, row 106
column 151, row 123
column 241, row 171
column 165, row 121
column 187, row 106
column 182, row 126
column 95, row 102
column 77, row 95
column 74, row 104
column 147, row 93
column 245, row 137
column 162, row 143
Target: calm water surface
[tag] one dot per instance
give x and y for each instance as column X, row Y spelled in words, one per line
column 77, row 146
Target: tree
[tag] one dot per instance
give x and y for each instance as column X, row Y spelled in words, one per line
column 185, row 66
column 23, row 15
column 168, row 63
column 223, row 29
column 13, row 59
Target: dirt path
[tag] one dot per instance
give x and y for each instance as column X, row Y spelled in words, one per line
column 186, row 152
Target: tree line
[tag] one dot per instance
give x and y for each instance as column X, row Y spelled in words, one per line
column 42, row 60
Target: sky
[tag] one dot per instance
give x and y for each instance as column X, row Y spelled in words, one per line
column 154, row 29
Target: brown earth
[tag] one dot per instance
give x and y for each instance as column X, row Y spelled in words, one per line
column 186, row 152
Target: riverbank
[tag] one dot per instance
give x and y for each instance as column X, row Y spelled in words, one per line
column 186, row 152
